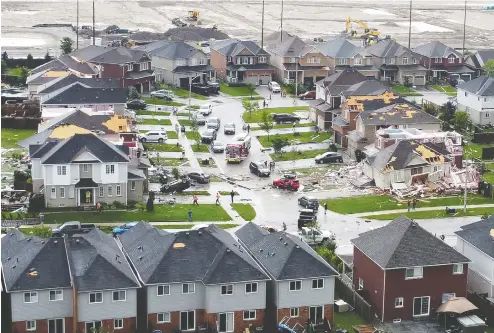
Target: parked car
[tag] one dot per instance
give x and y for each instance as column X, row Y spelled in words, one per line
column 71, row 228
column 120, row 229
column 217, row 147
column 178, row 185
column 214, row 87
column 229, row 128
column 199, row 177
column 308, row 95
column 260, row 169
column 200, row 89
column 161, row 95
column 287, row 183
column 308, row 202
column 329, row 157
column 199, row 118
column 208, row 136
column 274, row 87
column 153, row 136
column 314, row 236
column 137, row 104
column 280, row 118
column 206, row 109
column 306, row 216
column 214, row 122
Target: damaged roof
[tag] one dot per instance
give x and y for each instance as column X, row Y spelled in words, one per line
column 292, row 46
column 397, row 114
column 366, row 88
column 79, row 94
column 170, row 49
column 109, row 55
column 85, row 82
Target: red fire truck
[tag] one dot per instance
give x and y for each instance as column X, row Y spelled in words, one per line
column 238, row 151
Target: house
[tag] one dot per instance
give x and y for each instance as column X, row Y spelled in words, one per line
column 84, row 169
column 476, row 97
column 70, row 79
column 396, row 116
column 396, row 63
column 342, row 53
column 294, row 59
column 443, row 62
column 302, row 283
column 475, row 241
column 131, row 66
column 241, row 61
column 196, row 279
column 405, row 272
column 176, row 62
column 478, row 59
column 405, row 163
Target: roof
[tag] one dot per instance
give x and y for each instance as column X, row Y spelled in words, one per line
column 170, row 49
column 109, row 55
column 397, row 114
column 210, row 255
column 31, row 263
column 78, row 94
column 339, row 48
column 412, row 67
column 233, row 47
column 436, row 50
column 387, row 48
column 479, row 234
column 188, row 69
column 65, row 151
column 86, row 82
column 257, row 66
column 404, row 243
column 482, row 86
column 341, row 81
column 134, row 173
column 366, row 88
column 292, row 46
column 139, row 75
column 93, row 122
column 86, row 183
column 66, row 62
column 97, row 263
column 276, row 37
column 283, row 255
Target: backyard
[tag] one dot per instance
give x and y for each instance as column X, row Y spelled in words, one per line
column 297, row 155
column 256, row 117
column 236, row 91
column 489, row 175
column 10, row 136
column 246, row 211
column 346, row 320
column 402, row 90
column 474, row 150
column 302, row 137
column 449, row 90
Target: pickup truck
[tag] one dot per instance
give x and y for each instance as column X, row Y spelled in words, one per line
column 313, row 236
column 71, row 228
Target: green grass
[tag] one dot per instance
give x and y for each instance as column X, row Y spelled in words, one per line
column 374, row 203
column 10, row 136
column 169, row 161
column 215, row 179
column 297, row 155
column 246, row 211
column 489, row 175
column 254, row 98
column 256, row 117
column 449, row 90
column 308, row 171
column 433, row 214
column 212, row 163
column 474, row 150
column 255, row 127
column 303, row 137
column 159, row 101
column 346, row 320
column 228, row 192
column 402, row 90
column 172, row 134
column 184, row 93
column 154, row 122
column 152, row 113
column 162, row 147
column 191, row 193
column 193, row 135
column 185, row 122
column 16, row 71
column 235, row 91
column 161, row 213
column 200, row 148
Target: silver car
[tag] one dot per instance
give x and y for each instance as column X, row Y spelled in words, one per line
column 214, row 122
column 199, row 118
column 229, row 128
column 217, row 147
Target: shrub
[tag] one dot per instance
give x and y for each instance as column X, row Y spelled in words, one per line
column 44, row 232
column 332, row 147
column 175, row 173
column 118, row 205
column 140, row 206
column 150, row 203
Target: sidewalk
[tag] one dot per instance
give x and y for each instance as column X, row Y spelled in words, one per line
column 383, row 212
column 184, row 142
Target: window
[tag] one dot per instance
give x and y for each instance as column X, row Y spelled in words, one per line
column 342, row 61
column 188, row 288
column 163, row 290
column 392, row 61
column 85, row 167
column 144, row 66
column 119, row 295
column 417, row 171
column 293, row 312
column 188, row 320
column 101, row 191
column 245, row 60
column 360, row 284
column 110, row 190
column 262, row 60
column 96, row 297
column 314, row 60
column 487, row 115
column 369, row 61
column 357, row 61
column 71, row 192
column 458, row 269
column 193, row 61
column 110, row 168
column 291, row 60
column 164, row 317
column 31, row 325
column 318, row 284
column 398, row 302
column 451, row 60
column 251, row 287
column 414, row 61
column 132, row 185
column 447, row 296
column 227, row 290
column 486, row 99
column 53, row 193
column 56, row 295
column 119, row 191
column 250, row 315
column 295, row 285
column 31, row 297
column 61, row 170
column 62, row 192
column 229, row 59
column 316, row 314
column 93, row 326
column 421, row 306
column 466, row 94
column 226, row 322
column 436, row 168
column 404, row 61
column 202, row 61
column 414, row 273
column 130, row 67
column 56, row 325
column 438, row 60
column 117, row 324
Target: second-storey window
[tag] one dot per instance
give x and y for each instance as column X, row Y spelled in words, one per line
column 130, row 67
column 398, row 302
column 342, row 61
column 262, row 60
column 119, row 190
column 251, row 287
column 249, row 314
column 291, row 60
column 227, row 290
column 458, row 269
column 61, row 170
column 414, row 273
column 164, row 290
column 85, row 167
column 229, row 59
column 96, row 297
column 357, row 61
column 188, row 288
column 110, row 190
column 56, row 295
column 391, row 61
column 438, row 60
column 31, row 297
column 295, row 285
column 451, row 60
column 318, row 284
column 101, row 191
column 119, row 295
column 203, row 61
column 404, row 61
column 314, row 60
column 144, row 66
column 110, row 168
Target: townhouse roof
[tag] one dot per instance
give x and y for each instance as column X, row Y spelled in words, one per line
column 480, row 57
column 33, row 263
column 68, row 62
column 65, row 151
column 372, row 103
column 480, row 234
column 188, row 69
column 341, row 81
column 109, row 55
column 93, row 121
column 170, row 49
column 397, row 114
column 276, row 37
column 339, row 48
column 209, row 255
column 292, row 46
column 97, row 263
column 283, row 255
column 436, row 49
column 366, row 88
column 233, row 47
column 62, row 82
column 45, row 77
column 404, row 243
column 79, row 94
column 387, row 48
column 481, row 86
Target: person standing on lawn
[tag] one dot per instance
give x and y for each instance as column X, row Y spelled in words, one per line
column 414, row 203
column 195, row 200
column 189, row 213
column 408, row 204
column 218, row 196
column 232, row 194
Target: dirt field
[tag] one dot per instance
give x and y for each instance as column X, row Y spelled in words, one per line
column 432, row 20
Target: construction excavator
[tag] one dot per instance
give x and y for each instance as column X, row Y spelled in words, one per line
column 193, row 15
column 369, row 33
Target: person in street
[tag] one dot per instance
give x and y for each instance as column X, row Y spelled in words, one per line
column 232, row 194
column 266, row 164
column 264, row 104
column 218, row 198
column 195, row 200
column 284, row 226
column 248, row 128
column 189, row 213
column 408, row 204
column 269, row 96
column 414, row 203
column 325, row 208
column 183, row 154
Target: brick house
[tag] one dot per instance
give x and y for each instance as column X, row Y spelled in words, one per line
column 302, row 283
column 405, row 272
column 241, row 61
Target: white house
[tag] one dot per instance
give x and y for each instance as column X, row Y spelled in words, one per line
column 476, row 97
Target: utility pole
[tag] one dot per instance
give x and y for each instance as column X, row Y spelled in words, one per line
column 281, row 35
column 296, row 77
column 464, row 30
column 262, row 26
column 94, row 29
column 466, row 183
column 410, row 26
column 77, row 27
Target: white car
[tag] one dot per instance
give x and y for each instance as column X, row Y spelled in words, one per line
column 274, row 87
column 153, row 136
column 313, row 236
column 199, row 118
column 206, row 109
column 214, row 122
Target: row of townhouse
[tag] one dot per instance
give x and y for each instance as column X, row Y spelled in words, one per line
column 149, row 279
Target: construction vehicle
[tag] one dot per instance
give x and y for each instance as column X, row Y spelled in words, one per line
column 370, row 33
column 193, row 15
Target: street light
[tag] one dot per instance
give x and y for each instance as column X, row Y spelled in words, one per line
column 190, row 87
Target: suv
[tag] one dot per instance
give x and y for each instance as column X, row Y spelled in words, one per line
column 153, row 136
column 329, row 157
column 287, row 183
column 285, row 118
column 137, row 104
column 214, row 123
column 274, row 87
column 229, row 128
column 308, row 202
column 208, row 136
column 306, row 216
column 206, row 109
column 161, row 94
column 259, row 168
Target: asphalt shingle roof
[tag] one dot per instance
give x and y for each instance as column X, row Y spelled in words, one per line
column 65, row 62
column 366, row 88
column 93, row 122
column 482, row 86
column 397, row 114
column 404, row 243
column 436, row 50
column 109, row 55
column 387, row 48
column 233, row 47
column 341, row 81
column 292, row 46
column 339, row 48
column 285, row 256
column 485, row 55
column 87, row 82
column 479, row 235
column 78, row 94
column 170, row 49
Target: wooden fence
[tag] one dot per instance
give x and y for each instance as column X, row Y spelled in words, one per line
column 350, row 296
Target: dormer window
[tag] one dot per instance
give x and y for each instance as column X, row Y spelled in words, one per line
column 438, row 60
column 229, row 59
column 144, row 66
column 291, row 60
column 392, row 61
column 357, row 61
column 314, row 60
column 130, row 67
column 202, row 61
column 451, row 59
column 414, row 61
column 262, row 60
column 404, row 61
column 342, row 61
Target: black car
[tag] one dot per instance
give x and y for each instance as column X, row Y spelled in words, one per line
column 306, row 216
column 214, row 87
column 137, row 104
column 308, row 202
column 208, row 136
column 329, row 157
column 285, row 118
column 199, row 177
column 177, row 185
column 259, row 168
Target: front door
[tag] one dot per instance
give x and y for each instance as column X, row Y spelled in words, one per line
column 240, row 76
column 316, row 314
column 421, row 306
column 86, row 196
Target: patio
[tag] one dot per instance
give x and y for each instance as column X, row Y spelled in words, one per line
column 411, row 326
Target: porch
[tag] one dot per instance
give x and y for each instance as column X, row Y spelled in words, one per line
column 142, row 81
column 85, row 192
column 258, row 74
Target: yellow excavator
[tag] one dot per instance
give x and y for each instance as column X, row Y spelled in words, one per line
column 370, row 33
column 193, row 15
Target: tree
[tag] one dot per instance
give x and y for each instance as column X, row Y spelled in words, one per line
column 250, row 106
column 43, row 232
column 313, row 225
column 195, row 132
column 29, row 61
column 150, row 203
column 278, row 144
column 407, row 83
column 5, row 56
column 447, row 113
column 251, row 89
column 24, row 74
column 431, row 109
column 266, row 122
column 461, row 120
column 66, row 45
column 4, row 66
column 132, row 93
column 489, row 67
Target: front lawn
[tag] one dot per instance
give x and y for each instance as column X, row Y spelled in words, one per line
column 434, row 214
column 297, row 155
column 447, row 89
column 169, row 161
column 255, row 127
column 402, row 90
column 11, row 136
column 254, row 98
column 154, row 122
column 171, row 135
column 185, row 122
column 184, row 93
column 256, row 117
column 200, row 148
column 236, row 91
column 302, row 137
column 346, row 320
column 152, row 113
column 246, row 211
column 488, row 176
column 161, row 213
column 159, row 101
column 193, row 135
column 162, row 147
column 474, row 150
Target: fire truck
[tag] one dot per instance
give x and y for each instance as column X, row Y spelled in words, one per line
column 238, row 151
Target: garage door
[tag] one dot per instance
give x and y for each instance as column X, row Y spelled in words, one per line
column 184, row 83
column 320, row 122
column 419, row 80
column 251, row 79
